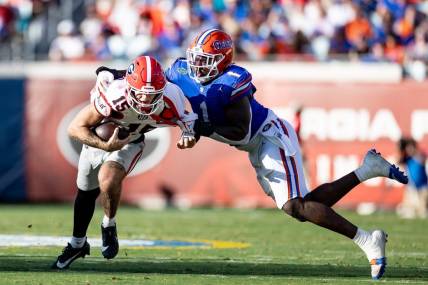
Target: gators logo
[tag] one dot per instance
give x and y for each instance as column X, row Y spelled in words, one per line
column 182, row 70
column 222, row 44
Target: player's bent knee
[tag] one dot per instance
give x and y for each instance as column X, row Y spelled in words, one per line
column 110, row 183
column 294, row 208
column 111, row 176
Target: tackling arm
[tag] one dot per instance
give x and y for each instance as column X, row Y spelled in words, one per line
column 237, row 131
column 238, row 115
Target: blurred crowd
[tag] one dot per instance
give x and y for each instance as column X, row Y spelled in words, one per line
column 384, row 30
column 413, row 159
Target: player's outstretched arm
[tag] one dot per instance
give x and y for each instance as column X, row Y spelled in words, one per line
column 238, row 118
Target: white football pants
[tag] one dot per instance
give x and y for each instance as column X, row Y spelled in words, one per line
column 275, row 155
column 91, row 159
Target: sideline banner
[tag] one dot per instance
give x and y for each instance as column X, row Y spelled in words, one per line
column 340, row 122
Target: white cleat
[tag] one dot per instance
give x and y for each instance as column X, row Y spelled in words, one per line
column 375, row 252
column 379, row 166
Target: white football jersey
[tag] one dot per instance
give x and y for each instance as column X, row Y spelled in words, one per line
column 114, row 107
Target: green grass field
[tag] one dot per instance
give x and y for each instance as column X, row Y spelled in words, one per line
column 281, row 250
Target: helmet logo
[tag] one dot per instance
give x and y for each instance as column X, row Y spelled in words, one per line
column 131, row 69
column 182, row 70
column 222, row 44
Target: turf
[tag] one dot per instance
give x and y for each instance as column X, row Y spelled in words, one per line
column 282, row 251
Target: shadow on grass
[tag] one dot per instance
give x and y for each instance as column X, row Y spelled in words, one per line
column 212, row 267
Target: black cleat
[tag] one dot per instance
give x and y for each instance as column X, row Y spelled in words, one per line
column 69, row 254
column 110, row 246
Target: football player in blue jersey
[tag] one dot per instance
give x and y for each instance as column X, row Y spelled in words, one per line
column 223, row 96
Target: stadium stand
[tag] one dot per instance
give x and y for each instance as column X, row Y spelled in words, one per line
column 312, row 30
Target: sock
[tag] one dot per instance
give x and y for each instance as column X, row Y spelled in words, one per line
column 362, row 239
column 363, row 173
column 108, row 222
column 77, row 242
column 84, row 207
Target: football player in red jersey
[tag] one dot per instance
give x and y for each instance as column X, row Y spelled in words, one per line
column 139, row 101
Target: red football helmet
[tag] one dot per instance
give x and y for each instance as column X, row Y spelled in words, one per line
column 146, row 82
column 210, row 53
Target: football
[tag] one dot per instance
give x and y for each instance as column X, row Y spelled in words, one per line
column 105, row 130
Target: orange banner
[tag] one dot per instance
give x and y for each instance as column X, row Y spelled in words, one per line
column 340, row 122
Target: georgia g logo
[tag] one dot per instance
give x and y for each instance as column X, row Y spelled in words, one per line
column 131, row 68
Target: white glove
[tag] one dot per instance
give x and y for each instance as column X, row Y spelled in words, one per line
column 187, row 123
column 104, row 79
column 187, row 140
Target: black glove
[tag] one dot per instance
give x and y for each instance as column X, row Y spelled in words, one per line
column 117, row 73
column 202, row 128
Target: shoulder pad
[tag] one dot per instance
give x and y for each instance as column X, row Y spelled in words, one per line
column 116, row 94
column 180, row 60
column 100, row 102
column 113, row 100
column 238, row 80
column 237, row 76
